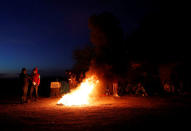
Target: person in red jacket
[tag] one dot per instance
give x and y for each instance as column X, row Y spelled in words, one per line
column 35, row 83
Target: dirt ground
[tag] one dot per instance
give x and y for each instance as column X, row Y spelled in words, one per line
column 106, row 113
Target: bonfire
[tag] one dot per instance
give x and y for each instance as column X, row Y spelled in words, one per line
column 82, row 94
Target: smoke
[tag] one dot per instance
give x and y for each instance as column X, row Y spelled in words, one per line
column 106, row 35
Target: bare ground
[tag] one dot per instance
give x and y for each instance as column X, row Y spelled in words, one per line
column 106, row 113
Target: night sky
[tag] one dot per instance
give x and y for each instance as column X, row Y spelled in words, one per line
column 44, row 33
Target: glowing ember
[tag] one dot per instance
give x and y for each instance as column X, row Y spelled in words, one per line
column 81, row 95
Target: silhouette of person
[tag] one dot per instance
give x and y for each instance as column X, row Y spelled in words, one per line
column 24, row 83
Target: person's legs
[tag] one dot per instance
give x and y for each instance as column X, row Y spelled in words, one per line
column 115, row 89
column 36, row 92
column 25, row 93
column 22, row 94
column 31, row 92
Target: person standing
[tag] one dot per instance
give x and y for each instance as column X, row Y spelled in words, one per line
column 115, row 88
column 24, row 83
column 35, row 83
column 72, row 81
column 140, row 90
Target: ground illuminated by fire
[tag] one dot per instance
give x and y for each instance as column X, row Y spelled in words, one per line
column 106, row 113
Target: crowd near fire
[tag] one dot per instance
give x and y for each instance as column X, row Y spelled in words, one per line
column 108, row 67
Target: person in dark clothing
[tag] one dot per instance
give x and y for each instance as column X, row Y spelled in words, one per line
column 24, row 83
column 140, row 90
column 35, row 83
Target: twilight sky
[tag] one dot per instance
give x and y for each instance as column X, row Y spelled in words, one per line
column 44, row 33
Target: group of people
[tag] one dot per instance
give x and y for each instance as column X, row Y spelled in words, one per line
column 29, row 85
column 74, row 80
column 136, row 89
column 171, row 87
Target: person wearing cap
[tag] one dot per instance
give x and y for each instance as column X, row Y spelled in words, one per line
column 35, row 83
column 24, row 83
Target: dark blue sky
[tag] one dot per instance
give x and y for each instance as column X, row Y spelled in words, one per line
column 44, row 33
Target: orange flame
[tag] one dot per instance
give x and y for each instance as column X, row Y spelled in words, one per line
column 81, row 95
